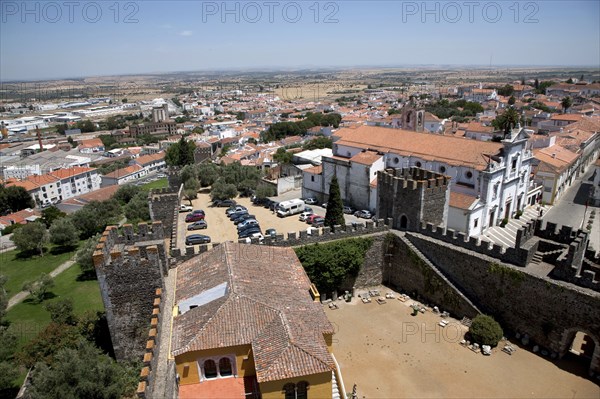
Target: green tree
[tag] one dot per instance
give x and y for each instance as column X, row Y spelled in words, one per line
column 327, row 265
column 84, row 256
column 39, row 288
column 208, row 173
column 14, row 198
column 506, row 90
column 512, row 100
column 507, row 121
column 566, row 103
column 570, row 81
column 188, row 172
column 86, row 126
column 124, row 101
column 536, row 84
column 31, row 236
column 190, row 189
column 63, row 233
column 221, row 191
column 47, row 343
column 137, row 209
column 82, row 372
column 335, row 207
column 485, row 330
column 61, row 312
column 126, row 193
column 317, row 143
column 50, row 214
column 180, row 153
column 8, row 373
column 282, row 156
column 264, row 190
column 95, row 216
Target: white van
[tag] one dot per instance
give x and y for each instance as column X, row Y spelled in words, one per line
column 291, row 207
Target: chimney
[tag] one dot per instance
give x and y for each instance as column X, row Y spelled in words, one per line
column 39, row 136
column 553, row 155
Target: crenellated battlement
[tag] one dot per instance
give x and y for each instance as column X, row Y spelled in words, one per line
column 148, row 372
column 414, row 179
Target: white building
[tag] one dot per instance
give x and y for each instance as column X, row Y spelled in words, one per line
column 20, row 171
column 494, row 177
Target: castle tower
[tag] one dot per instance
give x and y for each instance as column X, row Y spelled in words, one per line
column 130, row 267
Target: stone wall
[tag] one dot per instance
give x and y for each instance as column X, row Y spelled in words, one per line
column 409, row 271
column 130, row 267
column 164, row 207
column 550, row 312
column 412, row 196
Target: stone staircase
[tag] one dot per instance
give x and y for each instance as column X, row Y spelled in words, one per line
column 539, row 256
column 506, row 236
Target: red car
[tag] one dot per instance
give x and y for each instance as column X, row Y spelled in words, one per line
column 194, row 217
column 311, row 218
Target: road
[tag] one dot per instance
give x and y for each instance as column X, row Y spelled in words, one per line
column 571, row 210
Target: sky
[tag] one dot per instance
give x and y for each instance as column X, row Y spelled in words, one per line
column 70, row 38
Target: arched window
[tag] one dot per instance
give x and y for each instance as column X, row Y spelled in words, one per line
column 225, row 367
column 442, row 169
column 290, row 391
column 302, row 390
column 418, row 164
column 210, row 369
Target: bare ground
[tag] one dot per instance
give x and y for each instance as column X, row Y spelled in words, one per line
column 390, row 354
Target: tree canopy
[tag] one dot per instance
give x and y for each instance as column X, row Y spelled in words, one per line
column 485, row 330
column 328, row 264
column 13, row 199
column 180, row 153
column 31, row 236
column 63, row 233
column 281, row 130
column 334, row 216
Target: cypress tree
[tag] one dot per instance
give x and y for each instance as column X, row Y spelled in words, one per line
column 335, row 208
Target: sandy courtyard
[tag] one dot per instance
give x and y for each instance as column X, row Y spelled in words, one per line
column 390, row 354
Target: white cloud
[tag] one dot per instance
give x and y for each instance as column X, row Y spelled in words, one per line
column 186, row 33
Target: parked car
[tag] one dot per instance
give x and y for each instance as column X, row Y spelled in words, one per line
column 248, row 232
column 348, row 210
column 235, row 209
column 185, row 208
column 310, row 218
column 260, row 237
column 246, row 223
column 311, row 201
column 308, row 209
column 195, row 239
column 199, row 225
column 363, row 214
column 271, row 232
column 243, row 217
column 304, row 215
column 194, row 217
column 237, row 214
column 198, row 212
column 224, row 203
column 318, row 222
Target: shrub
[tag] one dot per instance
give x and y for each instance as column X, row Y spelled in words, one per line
column 485, row 330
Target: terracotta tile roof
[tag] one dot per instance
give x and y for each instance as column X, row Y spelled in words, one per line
column 18, row 217
column 90, row 143
column 461, row 201
column 567, row 117
column 366, row 157
column 124, row 171
column 26, row 184
column 265, row 304
column 40, row 180
column 452, row 150
column 478, row 127
column 557, row 158
column 101, row 194
column 150, row 158
column 70, row 172
column 315, row 170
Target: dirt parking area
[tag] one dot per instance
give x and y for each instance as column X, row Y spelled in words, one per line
column 390, row 354
column 221, row 229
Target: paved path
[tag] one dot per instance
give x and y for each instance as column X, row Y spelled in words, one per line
column 20, row 296
column 163, row 362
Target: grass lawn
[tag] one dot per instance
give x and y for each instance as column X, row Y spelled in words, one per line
column 28, row 318
column 160, row 183
column 19, row 270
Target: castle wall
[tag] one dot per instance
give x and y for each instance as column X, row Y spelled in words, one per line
column 507, row 292
column 130, row 267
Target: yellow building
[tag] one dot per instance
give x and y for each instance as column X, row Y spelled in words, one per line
column 248, row 326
